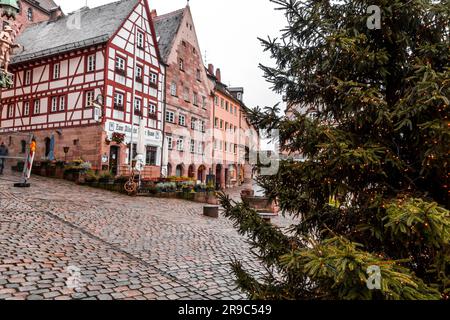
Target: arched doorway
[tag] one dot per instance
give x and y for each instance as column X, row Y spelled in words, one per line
column 47, row 142
column 219, row 169
column 191, row 171
column 179, row 170
column 201, row 174
column 169, row 170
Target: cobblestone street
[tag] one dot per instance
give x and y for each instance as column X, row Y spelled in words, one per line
column 122, row 247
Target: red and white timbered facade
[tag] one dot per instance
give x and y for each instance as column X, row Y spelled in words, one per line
column 134, row 81
column 57, row 92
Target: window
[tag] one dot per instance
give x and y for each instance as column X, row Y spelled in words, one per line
column 54, row 104
column 221, row 103
column 23, row 146
column 200, row 148
column 170, row 143
column 182, row 120
column 235, row 149
column 195, row 99
column 62, row 103
column 226, row 146
column 118, row 101
column 226, row 106
column 139, row 74
column 91, row 63
column 26, row 108
column 193, row 124
column 204, row 102
column 216, row 101
column 221, row 124
column 56, row 71
column 181, row 64
column 58, row 104
column 154, row 81
column 137, row 107
column 151, row 109
column 140, row 40
column 27, row 77
column 150, row 156
column 198, row 75
column 90, row 96
column 215, row 144
column 37, row 107
column 11, row 111
column 226, row 126
column 180, row 144
column 203, row 126
column 192, row 146
column 170, row 117
column 186, row 94
column 173, row 89
column 30, row 14
column 120, row 65
column 216, row 122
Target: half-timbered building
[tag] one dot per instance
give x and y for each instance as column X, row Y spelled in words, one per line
column 90, row 83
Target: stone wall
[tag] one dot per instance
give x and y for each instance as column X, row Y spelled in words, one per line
column 84, row 143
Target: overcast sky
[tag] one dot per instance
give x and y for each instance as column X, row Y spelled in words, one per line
column 227, row 31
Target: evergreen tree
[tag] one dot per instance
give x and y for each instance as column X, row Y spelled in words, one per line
column 373, row 188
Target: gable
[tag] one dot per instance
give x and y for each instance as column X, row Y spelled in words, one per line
column 138, row 21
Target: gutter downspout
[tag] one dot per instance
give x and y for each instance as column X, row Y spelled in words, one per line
column 163, row 115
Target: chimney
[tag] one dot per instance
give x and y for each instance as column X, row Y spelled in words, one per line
column 218, row 75
column 55, row 13
column 153, row 14
column 211, row 69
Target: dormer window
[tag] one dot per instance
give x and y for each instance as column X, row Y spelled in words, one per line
column 181, row 64
column 30, row 14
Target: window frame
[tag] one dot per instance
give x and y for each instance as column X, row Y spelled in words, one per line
column 56, row 67
column 182, row 123
column 28, row 77
column 36, row 103
column 139, row 39
column 91, row 65
column 170, row 115
column 173, row 89
column 26, row 103
column 86, row 98
column 117, row 106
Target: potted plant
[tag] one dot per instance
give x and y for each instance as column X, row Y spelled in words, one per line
column 118, row 138
column 106, row 178
column 91, row 178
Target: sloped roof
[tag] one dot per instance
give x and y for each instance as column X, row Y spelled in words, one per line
column 166, row 29
column 47, row 4
column 97, row 25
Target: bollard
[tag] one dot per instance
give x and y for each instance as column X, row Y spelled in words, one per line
column 211, row 211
